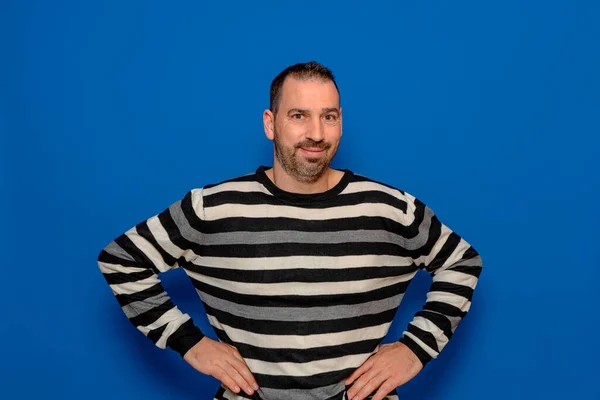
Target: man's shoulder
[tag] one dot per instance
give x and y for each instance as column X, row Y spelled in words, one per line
column 364, row 183
column 248, row 182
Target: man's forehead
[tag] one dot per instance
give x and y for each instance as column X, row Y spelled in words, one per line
column 321, row 93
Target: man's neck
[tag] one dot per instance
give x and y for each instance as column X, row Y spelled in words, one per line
column 285, row 182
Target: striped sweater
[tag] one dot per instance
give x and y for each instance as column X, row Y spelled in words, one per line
column 305, row 286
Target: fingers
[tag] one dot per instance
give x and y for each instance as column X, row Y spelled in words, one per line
column 241, row 373
column 365, row 385
column 383, row 391
column 367, row 365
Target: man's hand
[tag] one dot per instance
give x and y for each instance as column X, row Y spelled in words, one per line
column 393, row 365
column 223, row 362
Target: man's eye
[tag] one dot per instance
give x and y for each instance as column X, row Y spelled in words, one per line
column 297, row 116
column 330, row 118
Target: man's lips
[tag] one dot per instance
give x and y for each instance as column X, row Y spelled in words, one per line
column 312, row 150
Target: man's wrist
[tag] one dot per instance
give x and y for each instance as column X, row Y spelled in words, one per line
column 186, row 337
column 421, row 354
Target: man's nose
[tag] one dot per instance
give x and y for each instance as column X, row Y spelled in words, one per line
column 316, row 130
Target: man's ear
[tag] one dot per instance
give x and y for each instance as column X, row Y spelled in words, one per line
column 269, row 124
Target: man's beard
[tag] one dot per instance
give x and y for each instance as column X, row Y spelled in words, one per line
column 307, row 170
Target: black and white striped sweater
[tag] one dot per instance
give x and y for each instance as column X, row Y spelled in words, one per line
column 305, row 286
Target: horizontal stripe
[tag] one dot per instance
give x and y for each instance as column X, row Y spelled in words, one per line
column 303, row 301
column 244, row 187
column 306, row 355
column 301, row 274
column 302, row 342
column 301, row 314
column 309, row 261
column 299, row 288
column 267, row 199
column 303, row 328
column 306, row 369
column 301, row 249
column 260, row 211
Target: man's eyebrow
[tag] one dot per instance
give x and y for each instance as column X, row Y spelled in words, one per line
column 330, row 109
column 298, row 111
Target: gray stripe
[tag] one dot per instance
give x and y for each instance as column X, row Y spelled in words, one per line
column 139, row 307
column 115, row 250
column 298, row 314
column 325, row 392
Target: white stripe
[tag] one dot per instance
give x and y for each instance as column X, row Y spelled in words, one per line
column 162, row 237
column 300, row 288
column 457, row 254
column 148, row 249
column 427, row 349
column 109, row 268
column 458, row 278
column 299, row 341
column 246, row 187
column 450, row 298
column 134, row 287
column 356, row 187
column 428, row 326
column 308, row 368
column 444, row 234
column 170, row 316
column 293, row 262
column 172, row 327
column 310, row 214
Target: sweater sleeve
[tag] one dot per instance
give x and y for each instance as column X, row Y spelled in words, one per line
column 454, row 266
column 131, row 264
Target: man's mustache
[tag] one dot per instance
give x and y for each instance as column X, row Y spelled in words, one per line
column 312, row 144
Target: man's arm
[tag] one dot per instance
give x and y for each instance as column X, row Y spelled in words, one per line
column 131, row 264
column 454, row 266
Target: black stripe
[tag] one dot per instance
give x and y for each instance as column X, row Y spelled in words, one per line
column 302, row 382
column 426, row 337
column 155, row 334
column 439, row 320
column 108, row 258
column 306, row 355
column 303, row 301
column 125, row 299
column 444, row 308
column 138, row 255
column 446, row 251
column 152, row 315
column 301, row 274
column 301, row 328
column 473, row 270
column 270, row 224
column 453, row 288
column 144, row 231
column 258, row 198
column 306, row 249
column 116, row 278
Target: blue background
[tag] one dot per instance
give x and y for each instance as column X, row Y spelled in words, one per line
column 486, row 111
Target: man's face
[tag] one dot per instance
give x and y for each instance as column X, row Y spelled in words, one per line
column 307, row 127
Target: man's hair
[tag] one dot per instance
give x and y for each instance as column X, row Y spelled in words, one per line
column 301, row 71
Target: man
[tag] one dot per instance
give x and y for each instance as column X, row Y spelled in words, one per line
column 300, row 267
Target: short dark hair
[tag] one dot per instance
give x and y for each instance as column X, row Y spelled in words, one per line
column 302, row 71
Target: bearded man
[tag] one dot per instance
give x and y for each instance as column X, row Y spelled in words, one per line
column 300, row 267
